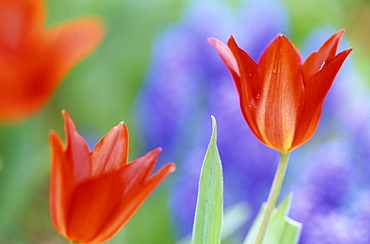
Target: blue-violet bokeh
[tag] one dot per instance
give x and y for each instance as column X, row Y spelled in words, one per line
column 187, row 82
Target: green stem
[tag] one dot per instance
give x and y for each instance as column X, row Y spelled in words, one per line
column 72, row 242
column 273, row 196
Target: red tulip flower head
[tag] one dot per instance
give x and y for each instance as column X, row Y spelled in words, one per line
column 94, row 193
column 281, row 97
column 33, row 60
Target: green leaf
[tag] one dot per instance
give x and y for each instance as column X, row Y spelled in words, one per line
column 281, row 228
column 208, row 215
column 235, row 216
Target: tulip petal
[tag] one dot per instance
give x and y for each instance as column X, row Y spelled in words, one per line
column 248, row 86
column 20, row 23
column 21, row 36
column 71, row 41
column 33, row 60
column 137, row 171
column 132, row 201
column 113, row 204
column 111, row 152
column 58, row 182
column 316, row 91
column 90, row 206
column 77, row 151
column 315, row 60
column 226, row 55
column 64, row 45
column 282, row 94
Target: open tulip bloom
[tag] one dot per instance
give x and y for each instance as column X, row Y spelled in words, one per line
column 281, row 96
column 94, row 193
column 33, row 59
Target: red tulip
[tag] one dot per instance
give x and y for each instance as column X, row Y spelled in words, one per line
column 94, row 193
column 281, row 97
column 33, row 60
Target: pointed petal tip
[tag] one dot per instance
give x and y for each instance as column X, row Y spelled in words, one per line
column 338, row 35
column 279, row 36
column 157, row 150
column 278, row 39
column 122, row 126
column 92, row 23
column 215, row 42
column 97, row 25
column 65, row 114
column 67, row 119
column 171, row 167
column 345, row 52
column 282, row 37
column 212, row 40
column 231, row 40
column 52, row 134
column 341, row 31
column 54, row 139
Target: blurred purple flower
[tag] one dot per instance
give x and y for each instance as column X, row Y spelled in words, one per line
column 331, row 171
column 187, row 83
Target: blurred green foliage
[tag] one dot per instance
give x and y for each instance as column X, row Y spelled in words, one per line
column 101, row 90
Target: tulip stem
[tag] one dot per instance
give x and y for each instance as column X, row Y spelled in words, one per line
column 273, row 196
column 73, row 242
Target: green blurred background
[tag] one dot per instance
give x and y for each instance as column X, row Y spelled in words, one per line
column 100, row 91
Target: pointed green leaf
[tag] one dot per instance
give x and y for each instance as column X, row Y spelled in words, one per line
column 281, row 229
column 208, row 216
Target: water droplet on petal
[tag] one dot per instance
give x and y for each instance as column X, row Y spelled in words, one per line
column 322, row 65
column 274, row 70
column 250, row 105
column 258, row 96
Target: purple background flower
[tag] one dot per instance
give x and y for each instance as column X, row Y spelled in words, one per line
column 187, row 83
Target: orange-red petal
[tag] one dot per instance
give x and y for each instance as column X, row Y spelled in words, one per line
column 248, row 87
column 101, row 206
column 77, row 151
column 91, row 206
column 58, row 182
column 111, row 152
column 137, row 189
column 226, row 55
column 134, row 199
column 282, row 95
column 70, row 41
column 316, row 91
column 20, row 23
column 316, row 59
column 33, row 60
column 139, row 169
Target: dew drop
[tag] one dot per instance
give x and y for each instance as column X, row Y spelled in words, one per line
column 258, row 96
column 171, row 169
column 250, row 105
column 322, row 65
column 274, row 70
